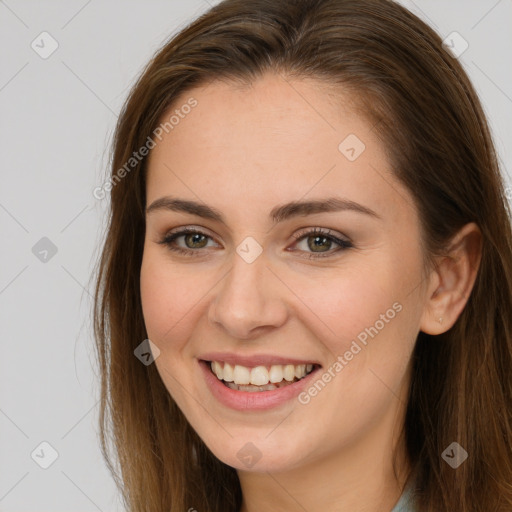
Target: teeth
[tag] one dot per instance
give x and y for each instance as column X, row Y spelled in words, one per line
column 241, row 375
column 259, row 375
column 228, row 373
column 300, row 370
column 289, row 372
column 251, row 389
column 276, row 373
column 217, row 369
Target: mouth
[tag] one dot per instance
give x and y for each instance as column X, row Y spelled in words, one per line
column 259, row 378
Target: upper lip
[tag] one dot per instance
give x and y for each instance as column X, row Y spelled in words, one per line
column 254, row 360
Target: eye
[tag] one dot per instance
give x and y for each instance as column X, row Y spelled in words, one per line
column 320, row 241
column 192, row 238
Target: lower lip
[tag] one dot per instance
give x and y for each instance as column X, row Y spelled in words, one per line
column 255, row 400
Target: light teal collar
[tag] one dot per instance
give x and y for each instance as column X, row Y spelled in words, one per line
column 405, row 503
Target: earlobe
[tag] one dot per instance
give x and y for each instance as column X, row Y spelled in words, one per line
column 453, row 280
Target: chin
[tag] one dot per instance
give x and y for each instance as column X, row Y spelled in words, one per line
column 257, row 455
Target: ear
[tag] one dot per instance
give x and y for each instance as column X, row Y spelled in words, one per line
column 452, row 281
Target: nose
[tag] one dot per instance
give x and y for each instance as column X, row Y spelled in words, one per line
column 249, row 301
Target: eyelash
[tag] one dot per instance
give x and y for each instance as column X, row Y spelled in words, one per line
column 344, row 244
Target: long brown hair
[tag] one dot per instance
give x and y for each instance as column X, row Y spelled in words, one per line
column 423, row 106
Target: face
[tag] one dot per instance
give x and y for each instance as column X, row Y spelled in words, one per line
column 334, row 286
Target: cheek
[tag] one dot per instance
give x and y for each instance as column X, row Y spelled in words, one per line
column 170, row 306
column 366, row 315
column 169, row 299
column 370, row 336
column 344, row 303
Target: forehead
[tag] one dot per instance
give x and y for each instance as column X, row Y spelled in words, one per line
column 273, row 140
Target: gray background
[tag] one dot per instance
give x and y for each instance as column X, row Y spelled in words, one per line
column 57, row 118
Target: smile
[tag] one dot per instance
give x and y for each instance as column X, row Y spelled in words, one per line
column 259, row 378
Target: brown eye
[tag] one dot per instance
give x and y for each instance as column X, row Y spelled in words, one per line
column 193, row 240
column 318, row 243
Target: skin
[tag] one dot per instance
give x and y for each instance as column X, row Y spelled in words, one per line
column 243, row 152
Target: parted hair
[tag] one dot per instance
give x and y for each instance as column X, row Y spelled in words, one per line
column 425, row 110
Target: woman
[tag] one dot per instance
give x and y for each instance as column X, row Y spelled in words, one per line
column 305, row 293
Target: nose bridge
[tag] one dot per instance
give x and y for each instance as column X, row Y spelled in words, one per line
column 248, row 298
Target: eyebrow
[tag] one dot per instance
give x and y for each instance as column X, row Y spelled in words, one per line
column 277, row 214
